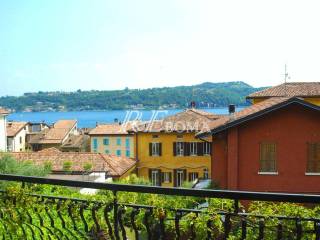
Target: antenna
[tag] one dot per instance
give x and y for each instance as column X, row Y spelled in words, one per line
column 286, row 77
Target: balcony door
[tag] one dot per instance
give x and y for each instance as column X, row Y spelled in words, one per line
column 155, row 177
column 180, row 177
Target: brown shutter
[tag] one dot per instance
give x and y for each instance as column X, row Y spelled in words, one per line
column 159, row 177
column 200, row 146
column 184, row 174
column 162, row 177
column 186, row 149
column 160, row 149
column 170, row 176
column 174, row 149
column 150, row 173
column 150, row 149
column 175, row 177
column 189, row 174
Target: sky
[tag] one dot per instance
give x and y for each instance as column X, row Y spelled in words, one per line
column 65, row 45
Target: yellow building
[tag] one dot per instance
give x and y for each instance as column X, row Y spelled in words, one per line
column 112, row 139
column 308, row 91
column 168, row 154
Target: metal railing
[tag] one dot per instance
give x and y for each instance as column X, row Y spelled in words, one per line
column 61, row 217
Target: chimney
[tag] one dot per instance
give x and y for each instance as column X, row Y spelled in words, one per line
column 232, row 108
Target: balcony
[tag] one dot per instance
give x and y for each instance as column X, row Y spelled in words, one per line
column 26, row 215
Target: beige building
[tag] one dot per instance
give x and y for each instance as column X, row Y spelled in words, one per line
column 55, row 136
column 16, row 136
column 3, row 133
column 112, row 139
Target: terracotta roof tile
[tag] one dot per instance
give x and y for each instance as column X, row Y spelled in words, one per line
column 270, row 103
column 65, row 124
column 106, row 129
column 290, row 89
column 13, row 128
column 114, row 166
column 190, row 120
column 4, row 111
column 56, row 134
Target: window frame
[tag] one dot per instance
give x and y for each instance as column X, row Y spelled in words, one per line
column 155, row 149
column 315, row 162
column 106, row 141
column 267, row 162
column 180, row 151
column 193, row 148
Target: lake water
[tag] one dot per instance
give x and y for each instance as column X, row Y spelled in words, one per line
column 90, row 118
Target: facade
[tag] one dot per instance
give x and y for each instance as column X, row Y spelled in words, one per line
column 168, row 154
column 308, row 91
column 16, row 136
column 3, row 133
column 55, row 136
column 112, row 139
column 273, row 146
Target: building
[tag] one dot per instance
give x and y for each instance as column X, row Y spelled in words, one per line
column 75, row 163
column 3, row 125
column 308, row 91
column 112, row 139
column 55, row 136
column 16, row 136
column 76, row 143
column 167, row 152
column 273, row 145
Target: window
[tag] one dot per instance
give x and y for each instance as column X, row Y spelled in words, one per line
column 155, row 177
column 193, row 148
column 118, row 153
column 193, row 176
column 119, row 141
column 179, row 148
column 127, row 143
column 206, row 148
column 95, row 143
column 267, row 157
column 107, row 151
column 155, row 136
column 205, row 173
column 313, row 164
column 127, row 153
column 155, row 149
column 180, row 136
column 20, row 140
column 106, row 141
column 166, row 177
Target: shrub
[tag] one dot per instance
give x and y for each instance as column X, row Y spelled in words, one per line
column 67, row 166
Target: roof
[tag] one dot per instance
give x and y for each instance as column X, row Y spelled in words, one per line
column 4, row 111
column 290, row 89
column 13, row 128
column 54, row 135
column 109, row 129
column 114, row 166
column 75, row 141
column 65, row 124
column 189, row 120
column 252, row 112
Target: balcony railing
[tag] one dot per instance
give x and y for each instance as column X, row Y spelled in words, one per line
column 35, row 216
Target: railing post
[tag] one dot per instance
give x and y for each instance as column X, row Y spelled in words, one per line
column 115, row 215
column 236, row 205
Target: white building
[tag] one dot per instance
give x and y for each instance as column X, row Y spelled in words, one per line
column 3, row 135
column 16, row 136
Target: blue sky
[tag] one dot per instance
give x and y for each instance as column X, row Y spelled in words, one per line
column 100, row 44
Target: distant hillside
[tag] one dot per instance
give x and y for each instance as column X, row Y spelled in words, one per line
column 205, row 95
